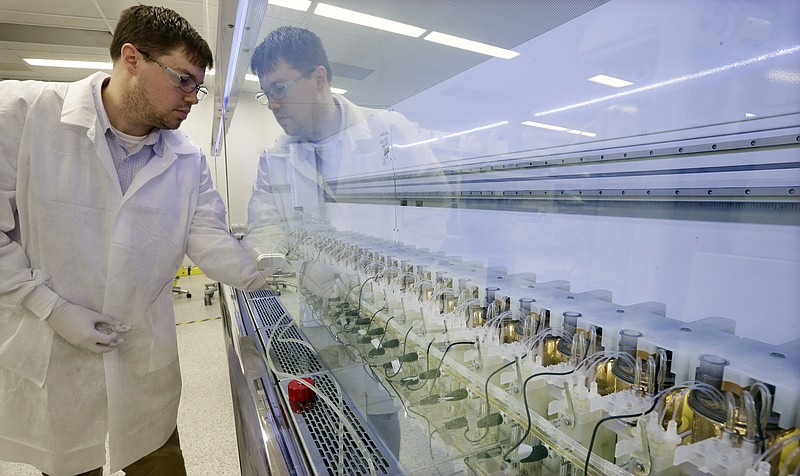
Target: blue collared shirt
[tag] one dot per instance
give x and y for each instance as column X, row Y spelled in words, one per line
column 127, row 165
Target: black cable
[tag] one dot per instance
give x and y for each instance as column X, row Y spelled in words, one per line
column 761, row 437
column 360, row 291
column 373, row 318
column 527, row 408
column 351, row 290
column 385, row 330
column 378, row 350
column 486, row 385
column 608, row 418
column 439, row 367
column 405, row 341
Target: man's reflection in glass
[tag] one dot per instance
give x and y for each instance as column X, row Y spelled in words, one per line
column 326, row 136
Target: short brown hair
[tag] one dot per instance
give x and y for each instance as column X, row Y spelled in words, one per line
column 159, row 31
column 300, row 48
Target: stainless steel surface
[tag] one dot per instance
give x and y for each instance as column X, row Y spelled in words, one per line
column 285, row 441
column 257, row 430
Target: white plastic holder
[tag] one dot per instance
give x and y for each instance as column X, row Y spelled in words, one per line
column 661, row 445
column 717, row 456
column 762, row 469
column 621, row 403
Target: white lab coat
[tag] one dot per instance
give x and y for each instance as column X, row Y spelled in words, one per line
column 65, row 223
column 287, row 185
column 287, row 189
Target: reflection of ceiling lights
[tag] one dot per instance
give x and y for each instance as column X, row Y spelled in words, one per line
column 758, row 22
column 371, row 21
column 680, row 79
column 784, row 76
column 301, row 5
column 470, row 45
column 581, row 133
column 69, row 64
column 551, row 127
column 351, row 16
column 749, row 114
column 610, row 81
column 542, row 125
column 454, row 134
column 627, row 109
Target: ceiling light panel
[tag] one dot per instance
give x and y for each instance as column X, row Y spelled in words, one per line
column 610, row 81
column 68, row 64
column 301, row 5
column 350, row 16
column 470, row 45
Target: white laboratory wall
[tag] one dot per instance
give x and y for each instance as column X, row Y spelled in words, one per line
column 253, row 127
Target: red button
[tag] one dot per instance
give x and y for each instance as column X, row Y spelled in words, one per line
column 300, row 396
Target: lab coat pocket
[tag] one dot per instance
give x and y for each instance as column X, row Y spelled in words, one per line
column 164, row 342
column 25, row 345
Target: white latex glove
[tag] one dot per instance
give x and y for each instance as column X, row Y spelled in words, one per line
column 85, row 328
column 348, row 284
column 328, row 281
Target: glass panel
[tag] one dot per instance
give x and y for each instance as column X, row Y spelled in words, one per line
column 495, row 256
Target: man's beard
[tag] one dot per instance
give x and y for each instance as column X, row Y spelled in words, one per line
column 137, row 109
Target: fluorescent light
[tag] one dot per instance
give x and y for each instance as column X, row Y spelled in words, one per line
column 69, row 64
column 551, row 127
column 680, row 79
column 470, row 45
column 363, row 19
column 545, row 126
column 750, row 114
column 338, row 90
column 610, row 81
column 301, row 5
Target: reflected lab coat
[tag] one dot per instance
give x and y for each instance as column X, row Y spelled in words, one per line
column 287, row 186
column 114, row 254
column 288, row 189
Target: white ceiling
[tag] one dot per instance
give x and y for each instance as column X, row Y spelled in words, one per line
column 377, row 68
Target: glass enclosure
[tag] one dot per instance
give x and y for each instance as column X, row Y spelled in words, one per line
column 582, row 256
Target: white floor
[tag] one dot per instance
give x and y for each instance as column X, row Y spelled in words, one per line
column 205, row 418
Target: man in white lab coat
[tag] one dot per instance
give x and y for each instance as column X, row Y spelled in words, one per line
column 327, row 137
column 100, row 199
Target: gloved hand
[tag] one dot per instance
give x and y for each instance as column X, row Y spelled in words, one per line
column 327, row 280
column 85, row 328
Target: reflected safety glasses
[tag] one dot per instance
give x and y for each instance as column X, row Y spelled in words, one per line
column 279, row 91
column 184, row 82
